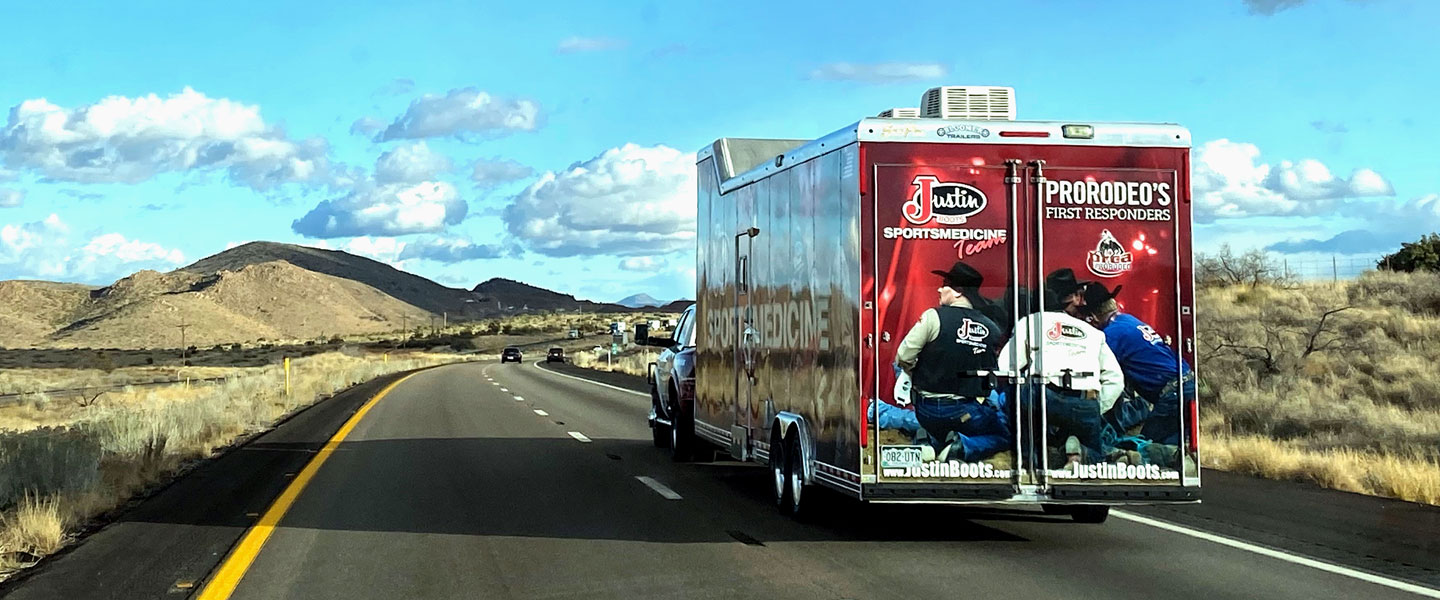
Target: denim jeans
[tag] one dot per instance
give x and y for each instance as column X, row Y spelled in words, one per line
column 1067, row 415
column 981, row 428
column 1163, row 424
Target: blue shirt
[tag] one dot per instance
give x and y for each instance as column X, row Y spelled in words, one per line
column 1148, row 363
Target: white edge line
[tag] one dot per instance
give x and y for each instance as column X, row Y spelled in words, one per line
column 1285, row 556
column 618, row 389
column 660, row 488
column 541, row 413
column 579, row 436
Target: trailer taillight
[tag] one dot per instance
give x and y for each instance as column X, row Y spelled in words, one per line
column 1193, row 418
column 1036, row 134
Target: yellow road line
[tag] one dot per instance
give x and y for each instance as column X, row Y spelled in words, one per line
column 223, row 584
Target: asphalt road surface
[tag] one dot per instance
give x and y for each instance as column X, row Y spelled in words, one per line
column 484, row 480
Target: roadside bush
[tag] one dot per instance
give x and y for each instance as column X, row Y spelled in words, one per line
column 46, row 461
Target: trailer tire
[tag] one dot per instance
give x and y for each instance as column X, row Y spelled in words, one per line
column 778, row 466
column 1090, row 513
column 791, row 498
column 659, row 433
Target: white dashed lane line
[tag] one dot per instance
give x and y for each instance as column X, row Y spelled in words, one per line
column 579, row 436
column 541, row 413
column 659, row 488
column 506, row 390
column 519, row 399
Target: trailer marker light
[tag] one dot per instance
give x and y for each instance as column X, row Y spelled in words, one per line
column 1027, row 134
column 1082, row 132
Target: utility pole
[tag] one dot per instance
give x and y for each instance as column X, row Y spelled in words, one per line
column 183, row 348
column 404, row 325
column 446, row 321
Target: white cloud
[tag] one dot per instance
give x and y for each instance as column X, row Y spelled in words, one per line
column 452, row 250
column 367, row 126
column 10, row 198
column 383, row 249
column 628, row 201
column 387, row 209
column 462, row 111
column 1228, row 182
column 488, row 173
column 411, row 163
column 129, row 140
column 589, row 44
column 885, row 72
column 642, row 264
column 43, row 249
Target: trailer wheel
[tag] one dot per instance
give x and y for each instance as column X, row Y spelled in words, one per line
column 1090, row 513
column 659, row 433
column 791, row 496
column 778, row 466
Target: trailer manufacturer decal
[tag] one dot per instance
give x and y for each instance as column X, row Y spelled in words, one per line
column 946, row 203
column 963, row 132
column 1109, row 258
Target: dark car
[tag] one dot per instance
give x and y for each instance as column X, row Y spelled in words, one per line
column 555, row 355
column 511, row 354
column 672, row 389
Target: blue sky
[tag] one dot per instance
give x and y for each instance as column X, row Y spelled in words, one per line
column 553, row 145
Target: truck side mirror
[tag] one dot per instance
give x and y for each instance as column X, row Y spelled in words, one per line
column 642, row 334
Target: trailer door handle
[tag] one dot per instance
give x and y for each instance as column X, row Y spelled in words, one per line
column 869, row 340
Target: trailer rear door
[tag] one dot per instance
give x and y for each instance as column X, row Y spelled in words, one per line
column 1017, row 213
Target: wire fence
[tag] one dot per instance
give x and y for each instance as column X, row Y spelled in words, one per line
column 1333, row 268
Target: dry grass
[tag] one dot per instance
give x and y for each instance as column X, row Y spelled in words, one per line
column 1358, row 411
column 74, row 462
column 35, row 528
column 634, row 362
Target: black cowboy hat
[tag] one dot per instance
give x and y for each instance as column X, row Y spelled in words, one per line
column 960, row 276
column 1062, row 282
column 1096, row 294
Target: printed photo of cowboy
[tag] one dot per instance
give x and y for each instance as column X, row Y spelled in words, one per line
column 1144, row 426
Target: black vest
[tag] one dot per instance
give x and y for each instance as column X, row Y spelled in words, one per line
column 968, row 341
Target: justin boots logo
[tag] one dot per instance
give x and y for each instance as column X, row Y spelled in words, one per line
column 1064, row 330
column 1109, row 259
column 946, row 203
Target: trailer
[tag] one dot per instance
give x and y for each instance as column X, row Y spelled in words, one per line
column 815, row 257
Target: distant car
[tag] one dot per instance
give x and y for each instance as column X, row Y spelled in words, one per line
column 511, row 354
column 555, row 355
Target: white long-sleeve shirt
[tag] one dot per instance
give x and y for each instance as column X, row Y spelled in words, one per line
column 1065, row 342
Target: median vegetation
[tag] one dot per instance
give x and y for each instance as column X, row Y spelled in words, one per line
column 1328, row 382
column 65, row 460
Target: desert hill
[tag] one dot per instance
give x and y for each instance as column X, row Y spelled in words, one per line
column 261, row 290
column 511, row 296
column 406, row 287
column 640, row 301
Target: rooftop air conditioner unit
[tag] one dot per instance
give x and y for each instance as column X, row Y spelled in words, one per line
column 974, row 102
column 900, row 113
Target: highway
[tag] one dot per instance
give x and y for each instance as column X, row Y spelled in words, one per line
column 484, row 480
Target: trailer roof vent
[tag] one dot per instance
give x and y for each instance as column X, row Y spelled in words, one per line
column 980, row 103
column 900, row 113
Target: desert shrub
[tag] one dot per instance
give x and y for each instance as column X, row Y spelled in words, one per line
column 46, row 461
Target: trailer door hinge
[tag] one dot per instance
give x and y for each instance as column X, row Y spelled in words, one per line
column 869, row 340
